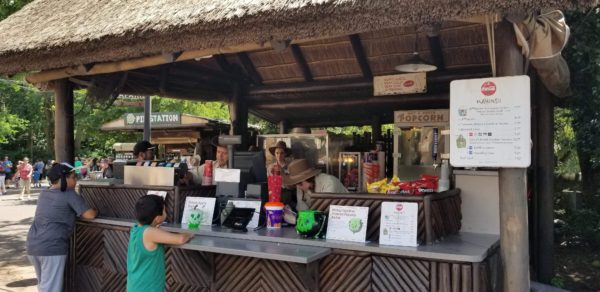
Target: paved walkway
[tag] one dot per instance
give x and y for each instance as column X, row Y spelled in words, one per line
column 16, row 273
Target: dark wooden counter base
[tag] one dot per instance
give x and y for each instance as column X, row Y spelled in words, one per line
column 98, row 262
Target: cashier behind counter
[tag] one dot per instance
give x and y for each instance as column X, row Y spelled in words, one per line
column 310, row 180
column 144, row 151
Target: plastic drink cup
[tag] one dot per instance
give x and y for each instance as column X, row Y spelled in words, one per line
column 274, row 187
column 274, row 212
column 208, row 173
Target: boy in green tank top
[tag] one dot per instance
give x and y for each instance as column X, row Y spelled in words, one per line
column 146, row 252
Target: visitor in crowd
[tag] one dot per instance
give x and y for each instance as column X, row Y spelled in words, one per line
column 16, row 178
column 25, row 174
column 93, row 166
column 78, row 164
column 146, row 251
column 8, row 165
column 53, row 223
column 2, row 180
column 38, row 169
column 106, row 168
column 47, row 167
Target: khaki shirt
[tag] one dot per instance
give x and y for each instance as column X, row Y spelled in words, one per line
column 198, row 172
column 324, row 183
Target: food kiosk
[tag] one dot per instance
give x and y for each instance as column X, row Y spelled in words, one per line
column 300, row 64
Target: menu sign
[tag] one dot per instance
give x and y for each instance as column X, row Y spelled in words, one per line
column 398, row 224
column 347, row 223
column 399, row 84
column 490, row 122
column 204, row 205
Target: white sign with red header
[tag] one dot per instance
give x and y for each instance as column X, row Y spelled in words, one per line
column 399, row 84
column 399, row 223
column 490, row 122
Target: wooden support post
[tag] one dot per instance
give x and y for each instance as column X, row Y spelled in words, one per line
column 544, row 258
column 376, row 128
column 301, row 62
column 64, row 140
column 284, row 127
column 514, row 239
column 238, row 113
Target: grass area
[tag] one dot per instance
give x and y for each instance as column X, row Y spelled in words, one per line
column 577, row 268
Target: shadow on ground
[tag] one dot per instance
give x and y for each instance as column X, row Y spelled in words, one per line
column 12, row 239
column 22, row 283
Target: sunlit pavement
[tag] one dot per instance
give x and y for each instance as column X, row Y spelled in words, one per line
column 16, row 273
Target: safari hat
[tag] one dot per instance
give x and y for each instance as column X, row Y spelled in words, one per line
column 282, row 145
column 299, row 171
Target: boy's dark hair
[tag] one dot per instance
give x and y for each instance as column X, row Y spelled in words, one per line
column 148, row 207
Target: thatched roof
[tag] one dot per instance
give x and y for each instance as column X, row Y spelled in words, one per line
column 58, row 33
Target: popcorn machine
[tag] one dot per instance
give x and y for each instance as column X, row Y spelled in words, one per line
column 421, row 142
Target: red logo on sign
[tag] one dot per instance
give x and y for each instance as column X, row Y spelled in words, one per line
column 399, row 207
column 488, row 88
column 408, row 83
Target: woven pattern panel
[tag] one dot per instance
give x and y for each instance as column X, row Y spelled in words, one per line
column 104, row 199
column 100, row 258
column 345, row 271
column 188, row 270
column 115, row 251
column 446, row 216
column 235, row 273
column 400, row 274
column 451, row 277
column 374, row 214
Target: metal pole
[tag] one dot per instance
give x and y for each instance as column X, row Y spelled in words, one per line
column 514, row 239
column 147, row 119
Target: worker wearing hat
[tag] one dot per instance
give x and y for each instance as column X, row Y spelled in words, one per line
column 280, row 151
column 310, row 180
column 142, row 151
column 221, row 161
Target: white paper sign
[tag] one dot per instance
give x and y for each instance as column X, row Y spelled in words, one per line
column 206, row 205
column 399, row 223
column 347, row 223
column 162, row 194
column 227, row 175
column 249, row 204
column 490, row 123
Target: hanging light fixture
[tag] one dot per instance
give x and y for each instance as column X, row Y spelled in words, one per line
column 415, row 63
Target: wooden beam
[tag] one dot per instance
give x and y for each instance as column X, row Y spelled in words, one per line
column 380, row 101
column 376, row 128
column 223, row 63
column 64, row 140
column 143, row 62
column 362, row 83
column 435, row 47
column 238, row 114
column 164, row 79
column 301, row 62
column 249, row 67
column 360, row 55
column 514, row 238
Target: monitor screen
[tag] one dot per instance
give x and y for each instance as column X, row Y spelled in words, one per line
column 252, row 164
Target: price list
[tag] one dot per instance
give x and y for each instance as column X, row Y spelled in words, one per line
column 490, row 122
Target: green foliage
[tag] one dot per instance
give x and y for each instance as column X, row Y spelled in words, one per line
column 565, row 148
column 558, row 282
column 8, row 7
column 583, row 57
column 581, row 227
